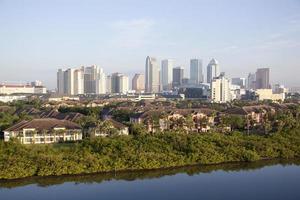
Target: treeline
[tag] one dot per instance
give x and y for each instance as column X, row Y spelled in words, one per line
column 143, row 151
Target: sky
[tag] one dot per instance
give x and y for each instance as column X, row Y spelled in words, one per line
column 38, row 37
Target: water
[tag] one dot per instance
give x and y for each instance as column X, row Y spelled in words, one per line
column 260, row 180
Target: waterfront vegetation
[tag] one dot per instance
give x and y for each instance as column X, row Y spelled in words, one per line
column 143, row 151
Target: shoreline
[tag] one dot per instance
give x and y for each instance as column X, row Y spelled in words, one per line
column 161, row 169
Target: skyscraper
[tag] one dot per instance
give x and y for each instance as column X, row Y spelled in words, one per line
column 196, row 73
column 178, row 73
column 167, row 74
column 220, row 90
column 151, row 75
column 78, row 82
column 94, row 80
column 212, row 70
column 66, row 82
column 138, row 83
column 250, row 83
column 60, row 82
column 262, row 78
column 119, row 83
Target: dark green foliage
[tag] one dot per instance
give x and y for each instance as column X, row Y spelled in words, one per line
column 143, row 151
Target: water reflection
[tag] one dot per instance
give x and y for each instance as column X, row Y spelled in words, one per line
column 140, row 175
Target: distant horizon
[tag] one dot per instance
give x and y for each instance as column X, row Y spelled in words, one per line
column 39, row 37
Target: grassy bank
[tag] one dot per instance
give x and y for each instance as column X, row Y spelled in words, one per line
column 142, row 152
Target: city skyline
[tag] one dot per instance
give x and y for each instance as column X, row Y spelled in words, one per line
column 39, row 37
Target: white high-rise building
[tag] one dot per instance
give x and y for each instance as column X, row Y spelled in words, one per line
column 213, row 70
column 94, row 80
column 119, row 83
column 101, row 82
column 138, row 83
column 196, row 72
column 220, row 90
column 151, row 75
column 78, row 82
column 167, row 74
column 124, row 84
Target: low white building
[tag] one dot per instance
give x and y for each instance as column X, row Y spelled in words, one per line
column 267, row 94
column 21, row 89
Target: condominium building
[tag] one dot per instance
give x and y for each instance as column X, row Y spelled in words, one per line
column 152, row 83
column 138, row 83
column 70, row 82
column 119, row 83
column 196, row 73
column 44, row 131
column 220, row 90
column 167, row 74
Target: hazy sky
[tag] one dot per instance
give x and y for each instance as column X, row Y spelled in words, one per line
column 38, row 37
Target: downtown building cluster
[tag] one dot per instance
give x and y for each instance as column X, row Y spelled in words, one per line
column 170, row 79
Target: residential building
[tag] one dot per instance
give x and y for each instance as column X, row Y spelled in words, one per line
column 108, row 84
column 262, row 78
column 152, row 83
column 167, row 74
column 119, row 83
column 44, row 131
column 196, row 73
column 67, row 84
column 138, row 83
column 220, row 90
column 213, row 70
column 94, row 80
column 178, row 73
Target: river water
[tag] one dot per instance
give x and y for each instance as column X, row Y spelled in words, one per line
column 250, row 181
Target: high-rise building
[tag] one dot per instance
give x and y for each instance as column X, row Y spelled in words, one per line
column 60, row 82
column 94, row 80
column 78, row 82
column 178, row 73
column 108, row 84
column 213, row 70
column 138, row 83
column 70, row 82
column 196, row 73
column 124, row 84
column 119, row 83
column 250, row 83
column 151, row 75
column 262, row 78
column 220, row 90
column 167, row 74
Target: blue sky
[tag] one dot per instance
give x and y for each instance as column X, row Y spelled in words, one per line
column 38, row 37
